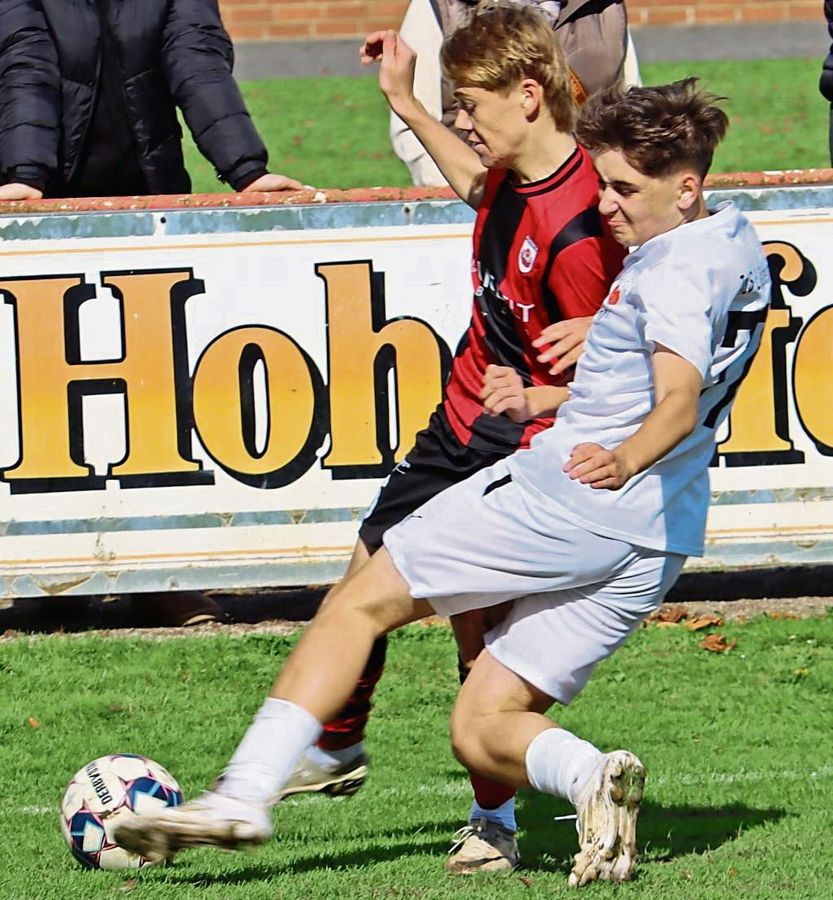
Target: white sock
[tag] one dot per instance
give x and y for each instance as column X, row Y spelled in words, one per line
column 330, row 760
column 557, row 762
column 270, row 750
column 504, row 814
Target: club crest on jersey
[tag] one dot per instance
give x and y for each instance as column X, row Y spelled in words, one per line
column 527, row 255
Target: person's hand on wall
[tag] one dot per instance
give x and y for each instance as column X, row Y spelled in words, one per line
column 271, row 181
column 17, row 191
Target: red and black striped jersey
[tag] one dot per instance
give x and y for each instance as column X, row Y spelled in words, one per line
column 541, row 254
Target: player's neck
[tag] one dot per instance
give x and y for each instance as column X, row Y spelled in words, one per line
column 540, row 158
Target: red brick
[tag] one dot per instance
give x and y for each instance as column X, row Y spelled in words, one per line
column 282, row 30
column 248, row 33
column 338, row 29
column 248, row 15
column 667, row 17
column 649, row 4
column 294, row 12
column 803, row 11
column 764, row 13
column 718, row 15
column 351, row 11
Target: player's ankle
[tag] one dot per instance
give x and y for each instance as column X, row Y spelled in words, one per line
column 330, row 760
column 559, row 763
column 503, row 815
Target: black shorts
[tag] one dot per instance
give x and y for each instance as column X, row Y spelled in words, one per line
column 437, row 460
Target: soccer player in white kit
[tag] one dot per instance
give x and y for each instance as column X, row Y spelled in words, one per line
column 586, row 530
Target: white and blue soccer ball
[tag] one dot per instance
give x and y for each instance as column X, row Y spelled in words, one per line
column 101, row 795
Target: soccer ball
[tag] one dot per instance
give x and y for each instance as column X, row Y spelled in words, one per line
column 104, row 793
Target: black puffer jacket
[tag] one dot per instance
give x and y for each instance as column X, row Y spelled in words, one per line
column 826, row 81
column 170, row 53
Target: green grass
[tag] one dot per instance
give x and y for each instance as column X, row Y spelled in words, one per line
column 739, row 801
column 332, row 132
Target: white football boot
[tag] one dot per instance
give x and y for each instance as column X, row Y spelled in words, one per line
column 607, row 808
column 342, row 781
column 211, row 820
column 483, row 846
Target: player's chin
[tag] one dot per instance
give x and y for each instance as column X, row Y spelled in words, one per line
column 486, row 157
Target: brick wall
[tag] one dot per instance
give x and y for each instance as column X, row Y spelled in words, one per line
column 249, row 20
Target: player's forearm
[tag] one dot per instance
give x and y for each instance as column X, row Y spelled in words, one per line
column 543, row 400
column 459, row 164
column 671, row 421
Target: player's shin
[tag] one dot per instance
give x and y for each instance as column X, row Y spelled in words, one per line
column 328, row 661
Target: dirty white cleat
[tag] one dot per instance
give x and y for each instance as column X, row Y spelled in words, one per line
column 483, row 846
column 311, row 778
column 211, row 820
column 607, row 808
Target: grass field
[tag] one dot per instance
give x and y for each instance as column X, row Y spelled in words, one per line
column 738, row 747
column 332, row 132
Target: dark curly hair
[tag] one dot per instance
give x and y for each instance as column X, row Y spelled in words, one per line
column 659, row 129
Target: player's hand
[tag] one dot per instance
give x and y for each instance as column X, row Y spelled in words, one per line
column 271, row 181
column 566, row 343
column 503, row 392
column 17, row 191
column 397, row 62
column 600, row 468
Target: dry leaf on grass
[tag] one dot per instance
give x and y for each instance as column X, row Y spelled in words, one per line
column 33, row 722
column 717, row 643
column 698, row 623
column 665, row 614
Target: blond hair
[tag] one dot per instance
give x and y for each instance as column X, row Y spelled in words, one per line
column 501, row 43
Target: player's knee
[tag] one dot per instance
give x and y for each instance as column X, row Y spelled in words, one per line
column 465, row 736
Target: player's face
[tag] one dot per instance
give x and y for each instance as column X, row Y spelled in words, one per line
column 638, row 207
column 495, row 123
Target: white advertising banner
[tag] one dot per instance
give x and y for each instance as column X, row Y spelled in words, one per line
column 211, row 398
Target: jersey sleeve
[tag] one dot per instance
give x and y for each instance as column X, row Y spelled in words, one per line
column 678, row 312
column 582, row 274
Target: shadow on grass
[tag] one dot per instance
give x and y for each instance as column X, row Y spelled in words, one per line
column 430, row 840
column 665, row 832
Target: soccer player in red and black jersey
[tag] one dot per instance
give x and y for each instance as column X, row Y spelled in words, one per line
column 541, row 267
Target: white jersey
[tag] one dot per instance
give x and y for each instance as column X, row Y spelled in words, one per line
column 701, row 290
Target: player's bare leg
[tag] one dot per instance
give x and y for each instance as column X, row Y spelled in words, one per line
column 499, row 730
column 311, row 688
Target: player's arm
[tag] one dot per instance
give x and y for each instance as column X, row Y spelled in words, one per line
column 504, row 392
column 458, row 162
column 677, row 386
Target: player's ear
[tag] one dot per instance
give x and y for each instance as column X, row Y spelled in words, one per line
column 531, row 96
column 689, row 189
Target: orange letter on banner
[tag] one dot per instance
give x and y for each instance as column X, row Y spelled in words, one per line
column 224, row 413
column 811, row 381
column 52, row 379
column 362, row 348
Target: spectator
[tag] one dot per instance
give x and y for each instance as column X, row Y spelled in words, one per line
column 91, row 90
column 826, row 80
column 90, row 94
column 593, row 34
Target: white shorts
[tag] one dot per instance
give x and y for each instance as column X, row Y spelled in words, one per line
column 482, row 542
